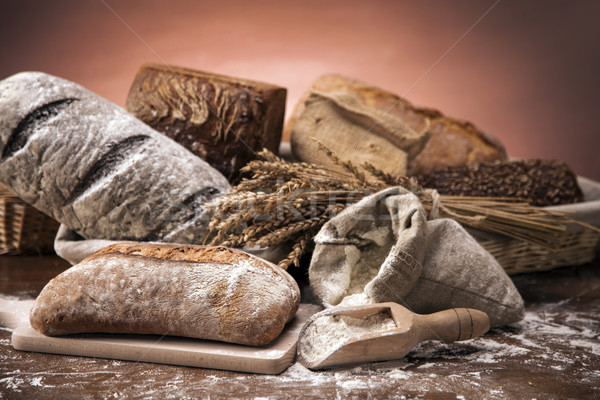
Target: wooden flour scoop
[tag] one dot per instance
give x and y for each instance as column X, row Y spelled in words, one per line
column 347, row 336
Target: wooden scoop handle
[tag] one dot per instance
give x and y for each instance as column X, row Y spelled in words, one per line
column 453, row 325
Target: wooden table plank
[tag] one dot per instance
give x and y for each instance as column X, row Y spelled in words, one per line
column 554, row 353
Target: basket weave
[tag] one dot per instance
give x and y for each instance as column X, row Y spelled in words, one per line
column 23, row 229
column 517, row 257
column 576, row 247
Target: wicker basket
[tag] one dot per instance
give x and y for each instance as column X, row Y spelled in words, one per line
column 578, row 246
column 519, row 257
column 23, row 229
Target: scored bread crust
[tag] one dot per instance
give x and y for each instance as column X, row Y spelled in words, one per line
column 206, row 292
column 95, row 168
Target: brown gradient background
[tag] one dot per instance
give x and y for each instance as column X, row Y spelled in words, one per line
column 527, row 72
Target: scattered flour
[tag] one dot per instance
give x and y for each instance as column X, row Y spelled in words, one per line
column 399, row 374
column 592, row 347
column 12, row 382
column 353, row 384
column 37, row 381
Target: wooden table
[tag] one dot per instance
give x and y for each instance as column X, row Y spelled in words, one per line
column 553, row 354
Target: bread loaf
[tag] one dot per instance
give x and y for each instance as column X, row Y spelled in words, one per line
column 202, row 292
column 539, row 182
column 450, row 141
column 354, row 132
column 222, row 119
column 97, row 169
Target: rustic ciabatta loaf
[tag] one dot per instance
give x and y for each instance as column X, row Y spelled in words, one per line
column 224, row 120
column 202, row 292
column 95, row 168
column 450, row 141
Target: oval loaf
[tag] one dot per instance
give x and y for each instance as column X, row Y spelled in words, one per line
column 206, row 292
column 97, row 169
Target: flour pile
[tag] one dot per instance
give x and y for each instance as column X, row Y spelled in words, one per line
column 327, row 333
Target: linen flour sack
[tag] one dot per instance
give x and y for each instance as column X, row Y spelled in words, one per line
column 383, row 249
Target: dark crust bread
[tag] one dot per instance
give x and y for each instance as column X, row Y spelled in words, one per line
column 539, row 182
column 221, row 119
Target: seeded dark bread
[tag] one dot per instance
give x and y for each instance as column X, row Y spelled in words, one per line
column 206, row 292
column 539, row 182
column 98, row 170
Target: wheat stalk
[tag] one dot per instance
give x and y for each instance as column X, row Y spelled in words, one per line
column 287, row 202
column 298, row 250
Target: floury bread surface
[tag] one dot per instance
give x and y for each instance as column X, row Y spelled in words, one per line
column 202, row 292
column 95, row 168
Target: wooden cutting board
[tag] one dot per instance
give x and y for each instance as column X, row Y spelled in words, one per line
column 272, row 358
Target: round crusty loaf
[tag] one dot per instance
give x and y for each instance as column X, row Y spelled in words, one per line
column 451, row 141
column 204, row 292
column 95, row 168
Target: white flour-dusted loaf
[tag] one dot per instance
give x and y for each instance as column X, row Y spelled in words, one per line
column 95, row 168
column 206, row 292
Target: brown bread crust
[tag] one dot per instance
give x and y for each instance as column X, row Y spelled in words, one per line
column 223, row 120
column 202, row 292
column 452, row 141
